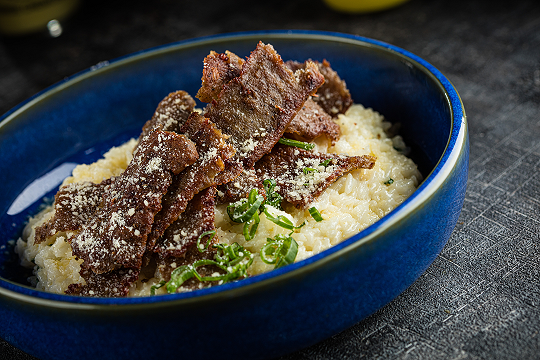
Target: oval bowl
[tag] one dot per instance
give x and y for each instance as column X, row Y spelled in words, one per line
column 263, row 316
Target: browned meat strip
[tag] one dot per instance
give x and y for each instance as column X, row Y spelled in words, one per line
column 171, row 113
column 218, row 70
column 240, row 187
column 213, row 150
column 74, row 206
column 311, row 122
column 115, row 283
column 333, row 96
column 255, row 108
column 117, row 234
column 197, row 219
column 301, row 175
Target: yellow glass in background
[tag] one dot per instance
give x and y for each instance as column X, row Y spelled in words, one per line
column 21, row 17
column 360, row 6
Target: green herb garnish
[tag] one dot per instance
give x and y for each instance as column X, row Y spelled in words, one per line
column 201, row 247
column 280, row 251
column 282, row 221
column 244, row 210
column 233, row 260
column 325, row 162
column 308, row 170
column 315, row 214
column 273, row 198
column 296, row 143
column 153, row 288
column 389, row 182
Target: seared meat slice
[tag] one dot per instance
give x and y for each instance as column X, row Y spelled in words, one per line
column 311, row 122
column 218, row 70
column 197, row 219
column 333, row 96
column 240, row 187
column 116, row 236
column 255, row 108
column 74, row 206
column 171, row 113
column 114, row 283
column 301, row 175
column 213, row 151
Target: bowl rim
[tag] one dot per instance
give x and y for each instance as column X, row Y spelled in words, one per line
column 454, row 148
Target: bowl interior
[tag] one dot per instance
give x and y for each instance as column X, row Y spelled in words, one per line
column 77, row 120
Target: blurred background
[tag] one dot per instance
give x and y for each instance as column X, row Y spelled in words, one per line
column 481, row 298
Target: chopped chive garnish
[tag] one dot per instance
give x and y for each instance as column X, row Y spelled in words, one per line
column 281, row 220
column 273, row 198
column 247, row 211
column 244, row 210
column 201, row 247
column 250, row 226
column 296, row 143
column 308, row 170
column 233, row 260
column 153, row 288
column 325, row 162
column 315, row 214
column 280, row 251
column 389, row 182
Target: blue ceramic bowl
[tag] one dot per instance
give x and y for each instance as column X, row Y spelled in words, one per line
column 264, row 316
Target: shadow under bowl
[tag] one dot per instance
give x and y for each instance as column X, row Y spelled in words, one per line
column 264, row 316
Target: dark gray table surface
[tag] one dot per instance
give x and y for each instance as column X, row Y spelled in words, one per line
column 480, row 299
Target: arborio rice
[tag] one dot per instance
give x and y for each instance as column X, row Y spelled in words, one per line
column 352, row 203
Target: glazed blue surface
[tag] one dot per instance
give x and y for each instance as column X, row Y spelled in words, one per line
column 274, row 313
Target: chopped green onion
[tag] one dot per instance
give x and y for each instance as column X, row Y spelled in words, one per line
column 153, row 288
column 202, row 248
column 280, row 220
column 233, row 260
column 296, row 143
column 180, row 275
column 389, row 182
column 325, row 162
column 250, row 227
column 315, row 214
column 242, row 211
column 307, row 170
column 280, row 251
column 273, row 198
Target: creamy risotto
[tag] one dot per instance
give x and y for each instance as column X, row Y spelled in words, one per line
column 355, row 201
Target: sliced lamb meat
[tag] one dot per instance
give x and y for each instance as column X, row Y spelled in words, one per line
column 117, row 234
column 171, row 113
column 74, row 206
column 255, row 108
column 311, row 122
column 333, row 96
column 301, row 175
column 197, row 219
column 213, row 151
column 218, row 70
column 115, row 283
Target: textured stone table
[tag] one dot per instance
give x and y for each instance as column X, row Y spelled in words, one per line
column 481, row 297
